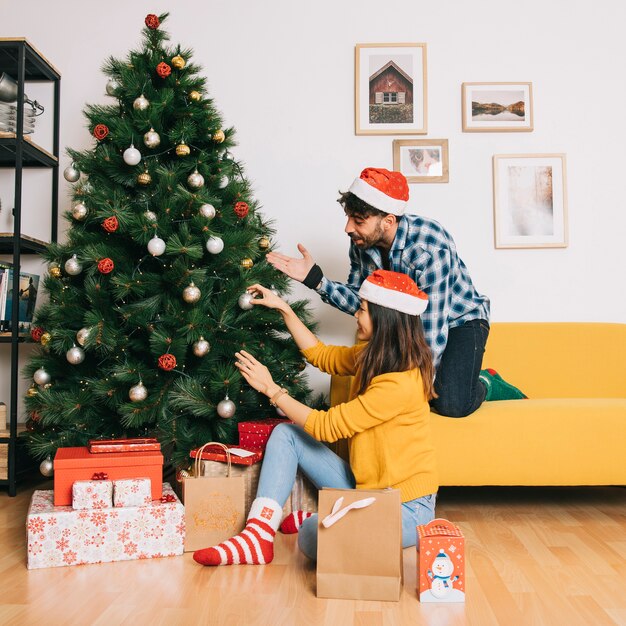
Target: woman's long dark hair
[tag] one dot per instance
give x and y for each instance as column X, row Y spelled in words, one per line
column 397, row 345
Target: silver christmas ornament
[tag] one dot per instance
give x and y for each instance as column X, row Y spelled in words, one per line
column 112, row 86
column 73, row 266
column 151, row 139
column 226, row 408
column 71, row 174
column 132, row 156
column 224, row 182
column 245, row 301
column 150, row 216
column 141, row 103
column 75, row 355
column 208, row 211
column 195, row 180
column 79, row 212
column 82, row 335
column 201, row 347
column 156, row 246
column 191, row 294
column 138, row 392
column 214, row 245
column 41, row 377
column 47, row 467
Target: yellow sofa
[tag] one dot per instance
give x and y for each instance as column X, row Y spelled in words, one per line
column 571, row 430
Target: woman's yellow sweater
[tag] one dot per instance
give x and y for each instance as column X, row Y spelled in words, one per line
column 387, row 427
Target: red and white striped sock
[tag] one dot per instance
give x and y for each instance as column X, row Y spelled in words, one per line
column 254, row 545
column 291, row 524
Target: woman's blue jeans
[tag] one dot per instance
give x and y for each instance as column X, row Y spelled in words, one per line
column 290, row 448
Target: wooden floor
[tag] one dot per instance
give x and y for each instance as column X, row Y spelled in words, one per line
column 535, row 556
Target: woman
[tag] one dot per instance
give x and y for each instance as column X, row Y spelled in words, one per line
column 386, row 422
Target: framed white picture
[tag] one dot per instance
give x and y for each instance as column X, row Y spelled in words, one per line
column 390, row 89
column 497, row 107
column 421, row 160
column 530, row 201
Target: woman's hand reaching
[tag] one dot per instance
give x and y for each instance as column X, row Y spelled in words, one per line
column 267, row 298
column 255, row 373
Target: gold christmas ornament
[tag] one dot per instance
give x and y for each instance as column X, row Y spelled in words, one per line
column 32, row 391
column 182, row 149
column 45, row 339
column 264, row 243
column 178, row 62
column 191, row 294
column 55, row 271
column 144, row 178
column 247, row 263
column 219, row 136
column 195, row 95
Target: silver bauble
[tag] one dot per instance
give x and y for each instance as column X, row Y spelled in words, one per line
column 131, row 155
column 79, row 212
column 224, row 182
column 47, row 467
column 138, row 392
column 245, row 301
column 75, row 355
column 41, row 377
column 201, row 347
column 156, row 246
column 195, row 180
column 226, row 408
column 208, row 211
column 214, row 245
column 71, row 174
column 191, row 294
column 82, row 335
column 151, row 139
column 150, row 216
column 72, row 266
column 112, row 86
column 141, row 103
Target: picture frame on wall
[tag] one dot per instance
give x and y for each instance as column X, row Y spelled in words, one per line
column 530, row 201
column 390, row 89
column 497, row 107
column 421, row 160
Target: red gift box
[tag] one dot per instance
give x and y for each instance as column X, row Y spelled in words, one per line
column 137, row 444
column 256, row 433
column 216, row 453
column 72, row 464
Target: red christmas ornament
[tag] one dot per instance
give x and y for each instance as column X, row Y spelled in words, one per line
column 152, row 21
column 110, row 224
column 167, row 362
column 105, row 266
column 241, row 209
column 36, row 333
column 100, row 131
column 163, row 70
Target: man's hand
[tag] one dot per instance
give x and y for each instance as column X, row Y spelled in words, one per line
column 294, row 268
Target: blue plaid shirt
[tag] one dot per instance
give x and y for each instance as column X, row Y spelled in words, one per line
column 425, row 251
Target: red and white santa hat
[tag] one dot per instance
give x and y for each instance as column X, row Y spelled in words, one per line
column 394, row 291
column 384, row 190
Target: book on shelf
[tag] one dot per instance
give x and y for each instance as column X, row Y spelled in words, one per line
column 27, row 293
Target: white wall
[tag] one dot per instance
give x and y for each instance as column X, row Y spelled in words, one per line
column 282, row 73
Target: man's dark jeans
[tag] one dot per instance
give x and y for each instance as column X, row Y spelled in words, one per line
column 457, row 385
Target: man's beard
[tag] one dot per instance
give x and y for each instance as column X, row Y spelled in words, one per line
column 368, row 242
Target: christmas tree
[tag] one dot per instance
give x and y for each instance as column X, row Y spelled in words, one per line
column 147, row 296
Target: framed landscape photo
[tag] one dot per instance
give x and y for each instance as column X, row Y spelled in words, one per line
column 421, row 160
column 497, row 107
column 530, row 201
column 390, row 89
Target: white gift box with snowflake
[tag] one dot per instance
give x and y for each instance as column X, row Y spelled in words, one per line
column 132, row 492
column 92, row 494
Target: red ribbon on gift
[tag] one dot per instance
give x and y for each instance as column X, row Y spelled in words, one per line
column 100, row 476
column 168, row 498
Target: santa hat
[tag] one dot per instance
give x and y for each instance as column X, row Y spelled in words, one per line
column 384, row 190
column 394, row 291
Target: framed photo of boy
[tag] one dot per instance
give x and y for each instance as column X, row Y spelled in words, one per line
column 497, row 107
column 530, row 201
column 421, row 160
column 390, row 89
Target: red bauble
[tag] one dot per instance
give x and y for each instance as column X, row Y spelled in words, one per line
column 105, row 266
column 167, row 362
column 152, row 21
column 241, row 209
column 163, row 70
column 110, row 224
column 100, row 131
column 36, row 333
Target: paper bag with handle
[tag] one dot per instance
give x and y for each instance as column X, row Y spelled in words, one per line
column 359, row 545
column 214, row 505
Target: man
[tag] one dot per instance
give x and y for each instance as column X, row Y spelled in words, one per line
column 456, row 322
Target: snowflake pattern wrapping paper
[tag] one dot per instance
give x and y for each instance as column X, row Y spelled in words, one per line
column 92, row 494
column 132, row 492
column 59, row 536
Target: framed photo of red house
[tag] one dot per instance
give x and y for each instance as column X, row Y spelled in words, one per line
column 390, row 89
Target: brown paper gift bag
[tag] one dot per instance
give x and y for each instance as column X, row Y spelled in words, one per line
column 359, row 544
column 214, row 506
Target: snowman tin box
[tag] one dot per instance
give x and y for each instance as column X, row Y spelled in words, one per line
column 440, row 562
